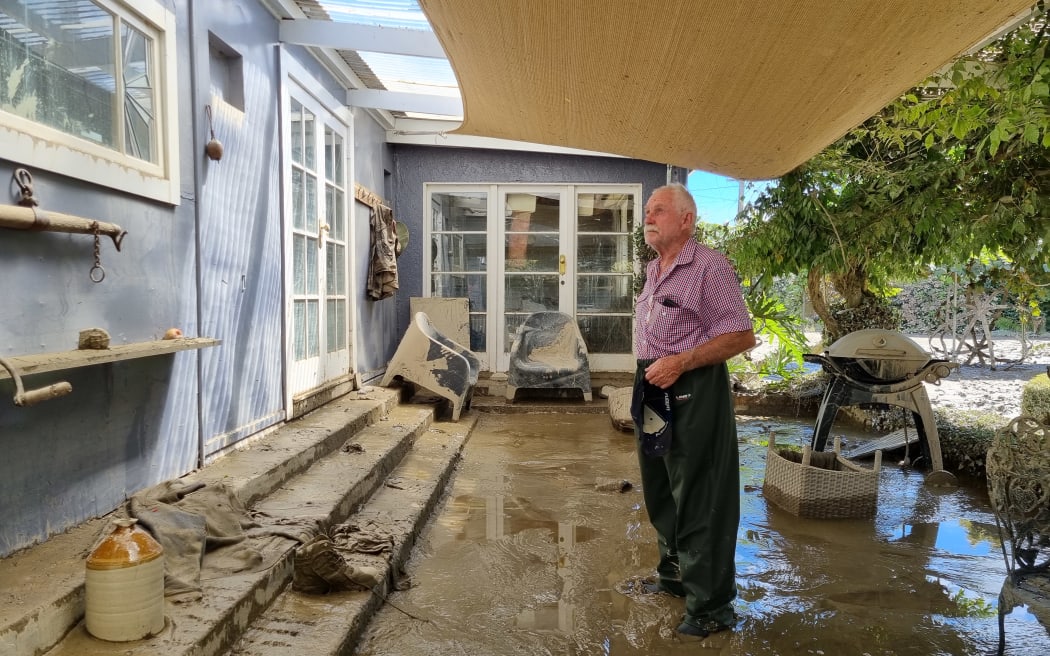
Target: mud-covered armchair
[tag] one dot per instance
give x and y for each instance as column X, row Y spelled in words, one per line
column 549, row 353
column 436, row 363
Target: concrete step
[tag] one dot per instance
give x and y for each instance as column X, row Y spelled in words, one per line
column 326, row 493
column 41, row 588
column 323, row 625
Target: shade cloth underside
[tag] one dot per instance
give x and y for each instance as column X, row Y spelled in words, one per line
column 747, row 90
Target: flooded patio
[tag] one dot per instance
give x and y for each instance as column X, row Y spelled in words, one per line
column 528, row 551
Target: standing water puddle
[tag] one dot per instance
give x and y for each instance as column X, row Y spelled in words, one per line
column 528, row 549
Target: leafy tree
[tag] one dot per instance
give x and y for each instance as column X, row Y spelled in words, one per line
column 954, row 170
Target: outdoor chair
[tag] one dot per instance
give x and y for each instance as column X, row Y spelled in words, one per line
column 549, row 353
column 427, row 358
column 1018, row 473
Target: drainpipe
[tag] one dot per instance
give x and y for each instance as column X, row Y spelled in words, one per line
column 197, row 190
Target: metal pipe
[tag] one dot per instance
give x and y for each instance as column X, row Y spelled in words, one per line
column 30, row 218
column 32, row 397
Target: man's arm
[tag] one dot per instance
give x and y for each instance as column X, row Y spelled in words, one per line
column 665, row 371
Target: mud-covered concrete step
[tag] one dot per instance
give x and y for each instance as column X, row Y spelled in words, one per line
column 319, row 625
column 259, row 470
column 323, row 492
column 42, row 587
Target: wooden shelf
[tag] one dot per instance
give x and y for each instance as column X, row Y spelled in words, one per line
column 61, row 360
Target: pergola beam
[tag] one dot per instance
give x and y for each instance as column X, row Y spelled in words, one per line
column 366, row 38
column 405, row 102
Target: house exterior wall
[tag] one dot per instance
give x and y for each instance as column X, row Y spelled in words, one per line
column 415, row 166
column 377, row 330
column 211, row 266
column 240, row 252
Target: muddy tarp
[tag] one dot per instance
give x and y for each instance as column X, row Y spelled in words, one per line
column 201, row 528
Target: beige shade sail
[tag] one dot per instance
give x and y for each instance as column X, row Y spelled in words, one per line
column 745, row 89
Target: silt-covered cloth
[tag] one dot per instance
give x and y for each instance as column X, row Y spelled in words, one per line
column 382, row 265
column 651, row 411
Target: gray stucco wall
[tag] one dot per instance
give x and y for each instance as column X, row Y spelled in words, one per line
column 415, row 166
column 212, row 266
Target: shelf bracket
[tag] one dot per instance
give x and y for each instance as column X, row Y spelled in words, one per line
column 32, row 397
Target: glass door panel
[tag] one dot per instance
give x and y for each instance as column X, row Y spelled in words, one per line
column 334, row 234
column 534, row 263
column 459, row 255
column 305, row 239
column 605, row 273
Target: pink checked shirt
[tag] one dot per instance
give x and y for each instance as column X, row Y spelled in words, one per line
column 698, row 299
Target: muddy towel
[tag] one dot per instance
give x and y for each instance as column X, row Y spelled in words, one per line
column 201, row 528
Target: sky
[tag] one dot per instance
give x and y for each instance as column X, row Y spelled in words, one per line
column 717, row 196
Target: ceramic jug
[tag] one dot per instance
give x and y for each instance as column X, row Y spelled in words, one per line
column 124, row 585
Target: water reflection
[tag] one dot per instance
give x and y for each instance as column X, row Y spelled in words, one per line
column 526, row 555
column 494, row 518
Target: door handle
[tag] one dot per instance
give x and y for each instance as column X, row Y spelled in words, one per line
column 322, row 230
column 561, row 265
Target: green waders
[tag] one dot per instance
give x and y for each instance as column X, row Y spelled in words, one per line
column 692, row 495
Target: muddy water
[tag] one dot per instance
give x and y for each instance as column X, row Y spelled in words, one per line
column 526, row 554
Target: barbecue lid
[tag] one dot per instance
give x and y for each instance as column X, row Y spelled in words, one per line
column 877, row 344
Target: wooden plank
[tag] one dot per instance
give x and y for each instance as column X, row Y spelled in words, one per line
column 888, row 442
column 61, row 360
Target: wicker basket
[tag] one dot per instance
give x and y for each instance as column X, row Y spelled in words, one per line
column 820, row 485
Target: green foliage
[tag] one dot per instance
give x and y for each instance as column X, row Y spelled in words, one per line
column 975, row 606
column 955, row 172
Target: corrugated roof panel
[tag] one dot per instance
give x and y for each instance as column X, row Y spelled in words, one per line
column 384, row 13
column 381, row 70
column 412, row 74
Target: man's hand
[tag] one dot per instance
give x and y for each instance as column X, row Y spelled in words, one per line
column 666, row 370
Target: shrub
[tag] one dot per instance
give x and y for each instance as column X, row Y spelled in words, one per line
column 965, row 436
column 1035, row 398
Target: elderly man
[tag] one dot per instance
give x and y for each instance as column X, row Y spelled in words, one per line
column 691, row 319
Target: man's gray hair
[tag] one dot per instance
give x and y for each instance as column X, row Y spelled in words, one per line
column 683, row 200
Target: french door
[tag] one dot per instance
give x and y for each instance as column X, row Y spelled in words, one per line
column 517, row 249
column 317, row 245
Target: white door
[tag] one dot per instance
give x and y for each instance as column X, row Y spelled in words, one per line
column 537, row 259
column 318, row 313
column 517, row 249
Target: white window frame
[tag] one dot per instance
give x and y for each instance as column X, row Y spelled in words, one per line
column 38, row 146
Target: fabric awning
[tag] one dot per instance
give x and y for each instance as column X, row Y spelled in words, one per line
column 748, row 90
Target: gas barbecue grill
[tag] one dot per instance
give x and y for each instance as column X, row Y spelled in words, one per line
column 881, row 367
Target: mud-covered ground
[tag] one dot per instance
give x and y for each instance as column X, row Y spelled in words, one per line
column 532, row 546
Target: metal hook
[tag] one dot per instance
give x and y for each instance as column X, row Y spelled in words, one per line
column 24, row 180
